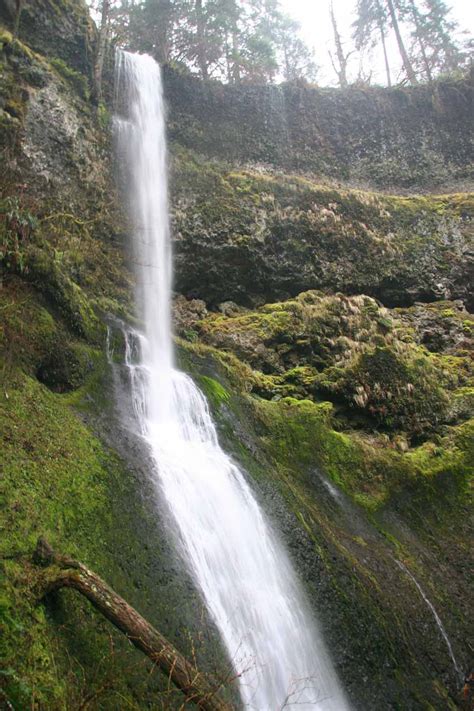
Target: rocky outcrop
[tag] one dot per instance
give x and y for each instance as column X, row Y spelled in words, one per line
column 55, row 28
column 254, row 236
column 402, row 137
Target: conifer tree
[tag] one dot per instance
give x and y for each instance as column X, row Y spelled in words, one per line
column 372, row 26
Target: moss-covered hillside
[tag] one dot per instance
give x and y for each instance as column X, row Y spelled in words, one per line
column 330, row 329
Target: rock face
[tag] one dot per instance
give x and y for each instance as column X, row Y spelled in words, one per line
column 389, row 138
column 57, row 28
column 253, row 236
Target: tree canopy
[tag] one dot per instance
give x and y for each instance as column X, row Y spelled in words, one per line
column 255, row 41
column 233, row 40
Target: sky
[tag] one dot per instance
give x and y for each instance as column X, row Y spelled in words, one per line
column 316, row 30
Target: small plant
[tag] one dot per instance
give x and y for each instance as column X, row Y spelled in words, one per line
column 16, row 228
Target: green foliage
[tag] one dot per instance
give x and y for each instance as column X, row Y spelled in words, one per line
column 17, row 225
column 240, row 41
column 213, row 390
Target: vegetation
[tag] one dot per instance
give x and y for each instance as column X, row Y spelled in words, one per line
column 254, row 41
column 434, row 50
column 234, row 40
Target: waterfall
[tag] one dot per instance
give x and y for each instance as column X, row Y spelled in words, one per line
column 238, row 564
column 437, row 618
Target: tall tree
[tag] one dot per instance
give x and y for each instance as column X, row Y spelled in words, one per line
column 101, row 47
column 440, row 29
column 240, row 40
column 370, row 27
column 297, row 61
column 340, row 63
column 419, row 34
column 378, row 16
column 201, row 44
column 407, row 65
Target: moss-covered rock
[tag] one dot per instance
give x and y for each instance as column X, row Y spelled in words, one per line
column 349, row 505
column 255, row 236
column 365, row 358
column 62, row 231
column 56, row 28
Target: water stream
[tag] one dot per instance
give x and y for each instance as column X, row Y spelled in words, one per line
column 235, row 558
column 437, row 618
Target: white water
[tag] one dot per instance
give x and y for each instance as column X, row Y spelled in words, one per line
column 437, row 618
column 239, row 566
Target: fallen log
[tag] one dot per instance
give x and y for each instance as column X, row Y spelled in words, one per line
column 64, row 572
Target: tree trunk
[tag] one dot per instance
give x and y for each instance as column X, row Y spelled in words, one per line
column 401, row 47
column 201, row 40
column 341, row 57
column 419, row 36
column 384, row 45
column 385, row 56
column 62, row 571
column 99, row 60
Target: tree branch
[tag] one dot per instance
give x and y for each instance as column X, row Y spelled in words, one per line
column 63, row 572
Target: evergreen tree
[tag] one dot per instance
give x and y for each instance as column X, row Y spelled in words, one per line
column 378, row 17
column 296, row 60
column 239, row 40
column 438, row 31
column 419, row 35
column 371, row 26
column 433, row 48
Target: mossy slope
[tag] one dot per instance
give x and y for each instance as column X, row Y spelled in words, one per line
column 349, row 506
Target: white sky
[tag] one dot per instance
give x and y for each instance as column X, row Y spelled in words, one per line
column 316, row 30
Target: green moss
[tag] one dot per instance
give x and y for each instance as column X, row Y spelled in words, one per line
column 213, row 390
column 74, row 78
column 48, row 277
column 351, row 350
column 399, row 392
column 54, row 485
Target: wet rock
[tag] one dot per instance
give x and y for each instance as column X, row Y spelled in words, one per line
column 252, row 238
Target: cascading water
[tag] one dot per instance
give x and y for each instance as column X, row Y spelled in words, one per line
column 437, row 618
column 238, row 564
